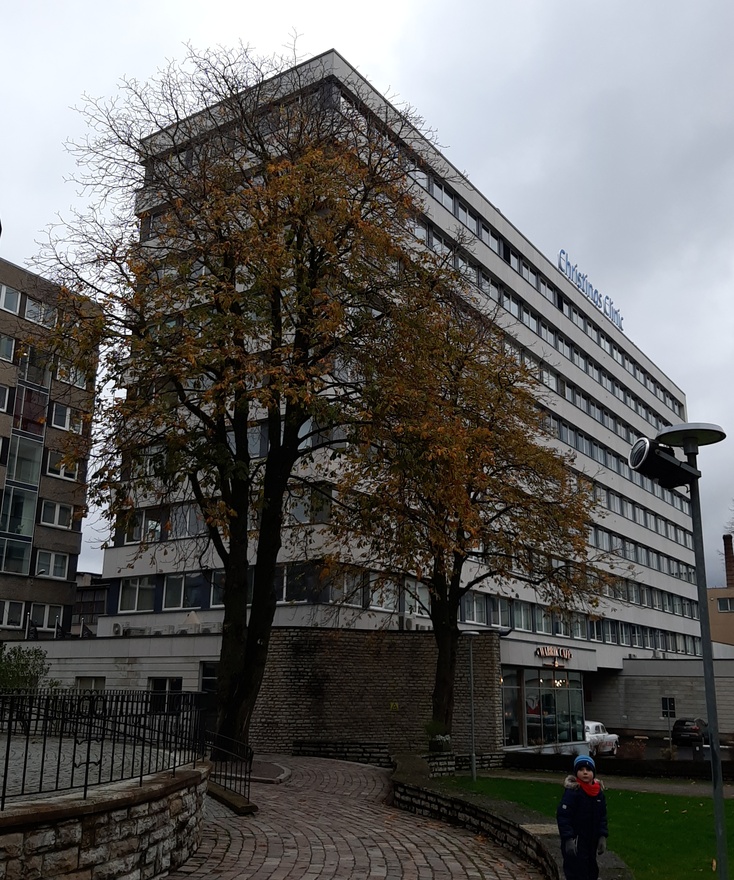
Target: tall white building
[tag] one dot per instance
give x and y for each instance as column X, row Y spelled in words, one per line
column 603, row 392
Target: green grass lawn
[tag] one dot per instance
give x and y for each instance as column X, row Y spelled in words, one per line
column 658, row 836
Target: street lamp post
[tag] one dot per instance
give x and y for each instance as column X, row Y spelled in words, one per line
column 472, row 633
column 690, row 437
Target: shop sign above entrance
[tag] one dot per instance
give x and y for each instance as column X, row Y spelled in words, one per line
column 553, row 652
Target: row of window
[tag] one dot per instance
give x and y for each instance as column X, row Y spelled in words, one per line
column 31, row 411
column 539, row 325
column 35, row 311
column 13, row 616
column 25, row 460
column 34, row 365
column 295, row 582
column 651, row 597
column 307, row 504
column 479, row 608
column 581, row 400
column 644, row 517
column 609, row 542
column 20, row 508
column 583, row 443
column 15, row 558
column 482, row 230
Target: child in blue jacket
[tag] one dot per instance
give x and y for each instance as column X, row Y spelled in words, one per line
column 582, row 821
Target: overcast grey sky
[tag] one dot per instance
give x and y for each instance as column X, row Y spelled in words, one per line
column 603, row 128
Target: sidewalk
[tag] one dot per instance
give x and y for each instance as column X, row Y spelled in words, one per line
column 655, row 785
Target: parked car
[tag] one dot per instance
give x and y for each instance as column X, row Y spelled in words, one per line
column 600, row 741
column 689, row 731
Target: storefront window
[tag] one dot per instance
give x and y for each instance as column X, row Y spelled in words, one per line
column 542, row 706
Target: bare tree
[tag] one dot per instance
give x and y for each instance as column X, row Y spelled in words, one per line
column 249, row 225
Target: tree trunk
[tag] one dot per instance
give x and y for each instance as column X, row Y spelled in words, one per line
column 245, row 645
column 447, row 640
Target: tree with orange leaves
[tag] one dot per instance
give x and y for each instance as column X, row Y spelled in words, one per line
column 453, row 479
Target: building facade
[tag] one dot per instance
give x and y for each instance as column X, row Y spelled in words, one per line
column 41, row 401
column 602, row 393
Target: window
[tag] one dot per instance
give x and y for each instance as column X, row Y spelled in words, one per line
column 7, row 348
column 15, row 556
column 257, row 440
column 543, row 620
column 304, row 583
column 186, row 521
column 596, row 631
column 310, row 504
column 9, row 299
column 89, row 604
column 90, row 682
column 65, row 418
column 137, row 593
column 18, row 511
column 578, row 626
column 66, row 372
column 29, row 413
column 500, row 611
column 33, row 366
column 523, row 616
column 383, row 593
column 51, row 564
column 57, row 468
column 185, row 590
column 165, row 696
column 725, row 604
column 145, row 527
column 55, row 514
column 11, row 614
column 4, row 396
column 46, row 616
column 216, row 597
column 475, row 607
column 40, row 312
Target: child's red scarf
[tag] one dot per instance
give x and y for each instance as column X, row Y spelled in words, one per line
column 591, row 788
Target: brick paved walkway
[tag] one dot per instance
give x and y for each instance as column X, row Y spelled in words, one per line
column 328, row 820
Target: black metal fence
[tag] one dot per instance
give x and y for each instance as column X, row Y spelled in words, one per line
column 231, row 763
column 57, row 740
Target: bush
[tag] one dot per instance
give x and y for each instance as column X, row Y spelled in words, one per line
column 22, row 667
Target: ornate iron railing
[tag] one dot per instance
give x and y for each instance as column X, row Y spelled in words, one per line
column 57, row 740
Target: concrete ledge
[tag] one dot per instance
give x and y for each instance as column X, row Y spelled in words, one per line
column 236, row 802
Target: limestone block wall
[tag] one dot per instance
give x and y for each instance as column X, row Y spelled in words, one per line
column 373, row 687
column 120, row 831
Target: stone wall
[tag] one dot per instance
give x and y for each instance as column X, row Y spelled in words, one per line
column 120, row 831
column 480, row 820
column 366, row 686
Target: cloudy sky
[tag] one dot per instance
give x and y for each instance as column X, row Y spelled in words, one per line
column 603, row 128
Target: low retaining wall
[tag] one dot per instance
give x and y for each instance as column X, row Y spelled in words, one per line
column 340, row 750
column 120, row 831
column 414, row 798
column 447, row 763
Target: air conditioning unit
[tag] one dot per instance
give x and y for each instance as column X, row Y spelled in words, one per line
column 409, row 623
column 116, row 629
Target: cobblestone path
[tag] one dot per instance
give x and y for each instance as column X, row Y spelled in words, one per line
column 329, row 820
